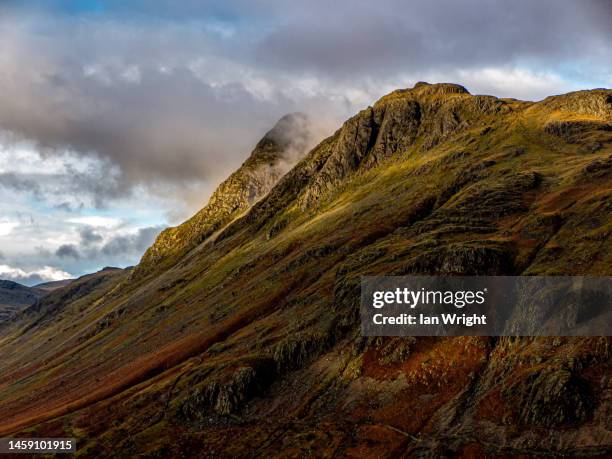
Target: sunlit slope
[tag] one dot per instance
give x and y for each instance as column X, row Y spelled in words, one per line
column 273, row 155
column 249, row 341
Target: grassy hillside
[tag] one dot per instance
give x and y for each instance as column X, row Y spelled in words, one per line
column 247, row 343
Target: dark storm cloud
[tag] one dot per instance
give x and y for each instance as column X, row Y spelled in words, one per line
column 390, row 36
column 168, row 127
column 93, row 247
column 89, row 236
column 343, row 36
column 142, row 96
column 131, row 244
column 68, row 251
column 176, row 93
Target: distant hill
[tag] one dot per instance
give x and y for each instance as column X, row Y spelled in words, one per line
column 15, row 297
column 53, row 285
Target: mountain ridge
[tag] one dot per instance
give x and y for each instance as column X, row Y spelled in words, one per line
column 52, row 285
column 284, row 144
column 250, row 339
column 14, row 297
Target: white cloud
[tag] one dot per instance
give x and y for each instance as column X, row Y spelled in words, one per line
column 7, row 227
column 97, row 221
column 514, row 82
column 57, row 177
column 22, row 157
column 44, row 274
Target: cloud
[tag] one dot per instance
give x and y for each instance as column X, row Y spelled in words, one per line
column 394, row 36
column 66, row 177
column 132, row 243
column 138, row 101
column 77, row 249
column 44, row 274
column 7, row 227
column 19, row 183
column 89, row 236
column 68, row 250
column 178, row 95
column 109, row 244
column 95, row 221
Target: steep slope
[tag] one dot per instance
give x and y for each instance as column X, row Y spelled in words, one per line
column 14, row 297
column 250, row 345
column 280, row 148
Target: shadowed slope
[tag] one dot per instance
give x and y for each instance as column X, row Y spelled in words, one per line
column 14, row 297
column 54, row 285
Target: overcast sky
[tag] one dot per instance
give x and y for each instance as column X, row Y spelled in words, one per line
column 119, row 118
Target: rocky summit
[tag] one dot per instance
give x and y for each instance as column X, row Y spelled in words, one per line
column 238, row 334
column 273, row 155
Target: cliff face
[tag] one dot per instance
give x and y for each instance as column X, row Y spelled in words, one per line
column 273, row 155
column 247, row 343
column 419, row 118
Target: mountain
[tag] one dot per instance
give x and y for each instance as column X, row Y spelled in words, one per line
column 281, row 147
column 238, row 334
column 53, row 285
column 14, row 297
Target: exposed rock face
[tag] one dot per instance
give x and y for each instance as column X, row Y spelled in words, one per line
column 276, row 152
column 393, row 125
column 250, row 346
column 596, row 103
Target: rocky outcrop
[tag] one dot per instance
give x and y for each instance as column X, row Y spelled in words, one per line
column 596, row 103
column 224, row 395
column 550, row 397
column 403, row 122
column 272, row 157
